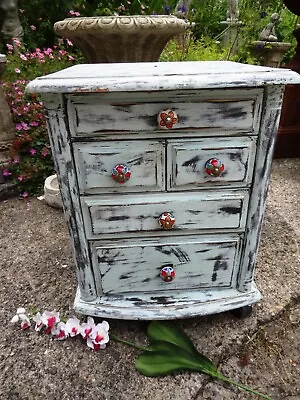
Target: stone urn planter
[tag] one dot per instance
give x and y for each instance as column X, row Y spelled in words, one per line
column 121, row 38
column 270, row 53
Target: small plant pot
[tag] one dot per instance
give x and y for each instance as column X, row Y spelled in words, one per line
column 52, row 192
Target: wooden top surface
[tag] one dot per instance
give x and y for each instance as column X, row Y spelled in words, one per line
column 160, row 76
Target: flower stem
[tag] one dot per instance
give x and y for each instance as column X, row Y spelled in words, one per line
column 137, row 346
column 243, row 387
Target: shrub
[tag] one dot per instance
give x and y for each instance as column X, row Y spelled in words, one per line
column 30, row 155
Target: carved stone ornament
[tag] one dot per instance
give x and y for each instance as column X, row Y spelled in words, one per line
column 7, row 130
column 11, row 27
column 269, row 34
column 121, row 38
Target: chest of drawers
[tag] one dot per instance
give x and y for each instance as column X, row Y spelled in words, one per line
column 163, row 169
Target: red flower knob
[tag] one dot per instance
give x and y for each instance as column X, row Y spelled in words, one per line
column 166, row 221
column 167, row 119
column 121, row 173
column 214, row 166
column 167, row 273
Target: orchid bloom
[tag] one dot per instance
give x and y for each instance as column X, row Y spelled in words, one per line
column 49, row 319
column 87, row 328
column 60, row 331
column 73, row 326
column 38, row 321
column 21, row 316
column 99, row 336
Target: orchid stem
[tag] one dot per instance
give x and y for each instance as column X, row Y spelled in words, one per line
column 243, row 387
column 117, row 339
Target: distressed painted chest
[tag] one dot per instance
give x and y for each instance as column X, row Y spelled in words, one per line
column 164, row 169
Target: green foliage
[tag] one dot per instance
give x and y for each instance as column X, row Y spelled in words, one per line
column 171, row 350
column 187, row 49
column 31, row 161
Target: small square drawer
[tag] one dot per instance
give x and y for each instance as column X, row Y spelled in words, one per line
column 124, row 166
column 196, row 164
column 94, row 114
column 167, row 264
column 185, row 212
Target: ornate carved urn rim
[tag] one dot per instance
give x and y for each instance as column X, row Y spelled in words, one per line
column 113, row 39
column 123, row 23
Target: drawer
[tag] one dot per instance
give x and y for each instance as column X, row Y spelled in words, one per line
column 187, row 161
column 95, row 162
column 92, row 114
column 198, row 262
column 140, row 213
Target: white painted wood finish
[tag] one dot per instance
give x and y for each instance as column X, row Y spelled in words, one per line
column 102, row 115
column 197, row 211
column 201, row 262
column 92, row 116
column 95, row 161
column 187, row 158
column 160, row 76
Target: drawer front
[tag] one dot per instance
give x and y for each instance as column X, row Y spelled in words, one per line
column 92, row 114
column 188, row 159
column 95, row 162
column 202, row 262
column 140, row 213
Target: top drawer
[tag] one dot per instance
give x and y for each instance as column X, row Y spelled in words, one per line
column 230, row 110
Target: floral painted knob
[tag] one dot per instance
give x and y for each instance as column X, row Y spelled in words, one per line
column 214, row 166
column 167, row 119
column 121, row 173
column 167, row 273
column 166, row 221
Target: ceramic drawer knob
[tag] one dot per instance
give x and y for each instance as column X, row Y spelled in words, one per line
column 214, row 167
column 167, row 273
column 166, row 221
column 121, row 173
column 167, row 119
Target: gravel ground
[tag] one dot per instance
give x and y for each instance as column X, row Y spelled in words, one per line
column 262, row 350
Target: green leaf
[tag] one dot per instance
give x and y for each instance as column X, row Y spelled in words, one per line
column 166, row 358
column 172, row 333
column 203, row 362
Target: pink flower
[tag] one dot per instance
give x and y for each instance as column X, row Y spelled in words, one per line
column 9, row 47
column 16, row 42
column 33, row 123
column 24, row 195
column 38, row 321
column 44, row 153
column 32, row 27
column 16, row 160
column 17, row 70
column 20, row 178
column 32, row 152
column 49, row 319
column 23, row 57
column 6, row 172
column 69, row 42
column 60, row 331
column 99, row 336
column 73, row 326
column 87, row 328
column 71, row 58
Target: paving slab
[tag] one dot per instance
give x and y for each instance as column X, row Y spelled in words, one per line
column 36, row 269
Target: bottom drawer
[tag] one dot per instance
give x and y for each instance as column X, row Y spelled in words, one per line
column 198, row 262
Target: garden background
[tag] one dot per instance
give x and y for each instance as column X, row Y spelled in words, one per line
column 43, row 52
